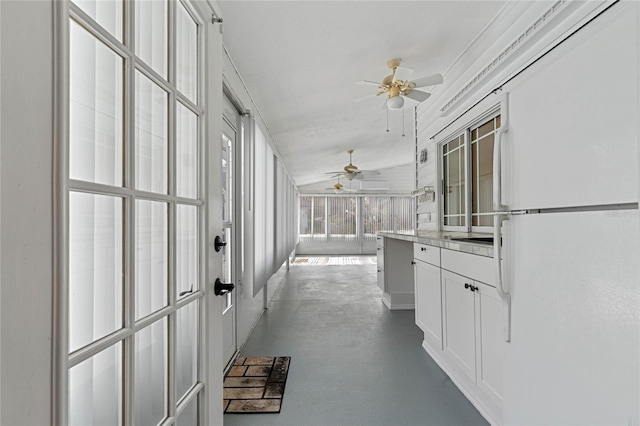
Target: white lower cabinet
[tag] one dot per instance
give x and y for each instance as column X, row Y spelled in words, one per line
column 462, row 324
column 490, row 343
column 428, row 302
column 459, row 319
column 472, row 332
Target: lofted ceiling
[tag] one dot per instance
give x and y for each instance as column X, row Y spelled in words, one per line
column 300, row 60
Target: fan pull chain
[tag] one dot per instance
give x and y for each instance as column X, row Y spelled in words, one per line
column 387, row 119
column 403, row 121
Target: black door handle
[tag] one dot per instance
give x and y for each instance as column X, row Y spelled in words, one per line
column 221, row 288
column 218, row 243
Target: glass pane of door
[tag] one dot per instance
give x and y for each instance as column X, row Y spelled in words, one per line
column 152, row 34
column 186, row 153
column 95, row 269
column 186, row 250
column 152, row 257
column 186, row 51
column 151, row 370
column 95, row 389
column 107, row 13
column 152, row 143
column 95, row 108
column 187, row 348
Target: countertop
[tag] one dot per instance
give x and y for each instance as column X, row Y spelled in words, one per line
column 443, row 239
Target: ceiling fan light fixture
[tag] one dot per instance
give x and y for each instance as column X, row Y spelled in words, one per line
column 350, row 176
column 395, row 102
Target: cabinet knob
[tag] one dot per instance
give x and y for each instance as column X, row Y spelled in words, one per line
column 413, row 262
column 466, row 285
column 423, row 249
column 473, row 288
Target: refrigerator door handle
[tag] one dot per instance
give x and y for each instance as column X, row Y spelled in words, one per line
column 497, row 153
column 498, row 218
column 500, row 215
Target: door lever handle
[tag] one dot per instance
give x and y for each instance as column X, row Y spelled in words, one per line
column 221, row 288
column 218, row 243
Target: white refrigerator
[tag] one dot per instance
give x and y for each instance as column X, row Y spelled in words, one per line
column 568, row 161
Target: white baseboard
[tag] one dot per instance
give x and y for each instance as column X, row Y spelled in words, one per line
column 399, row 301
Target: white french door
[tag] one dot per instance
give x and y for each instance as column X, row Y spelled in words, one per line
column 137, row 213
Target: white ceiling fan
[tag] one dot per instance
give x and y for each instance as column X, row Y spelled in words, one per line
column 351, row 171
column 338, row 188
column 397, row 86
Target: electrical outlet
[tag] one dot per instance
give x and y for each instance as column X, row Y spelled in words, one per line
column 427, row 197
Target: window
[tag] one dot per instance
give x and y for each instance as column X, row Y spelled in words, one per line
column 312, row 216
column 342, row 217
column 467, row 178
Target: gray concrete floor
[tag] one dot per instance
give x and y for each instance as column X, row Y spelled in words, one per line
column 353, row 362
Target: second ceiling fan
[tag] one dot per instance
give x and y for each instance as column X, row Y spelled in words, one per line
column 397, row 86
column 351, row 171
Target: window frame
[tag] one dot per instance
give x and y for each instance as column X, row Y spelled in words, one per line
column 464, row 130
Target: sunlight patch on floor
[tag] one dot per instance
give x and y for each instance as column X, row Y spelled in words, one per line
column 335, row 260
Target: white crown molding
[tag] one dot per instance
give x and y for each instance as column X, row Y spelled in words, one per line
column 553, row 26
column 504, row 56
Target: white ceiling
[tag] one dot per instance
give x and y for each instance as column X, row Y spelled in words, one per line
column 300, row 60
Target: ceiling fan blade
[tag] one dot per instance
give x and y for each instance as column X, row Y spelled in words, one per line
column 419, row 96
column 368, row 83
column 431, row 80
column 373, row 95
column 335, row 174
column 402, row 74
column 366, row 173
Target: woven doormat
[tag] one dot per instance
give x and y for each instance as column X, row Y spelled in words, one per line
column 256, row 384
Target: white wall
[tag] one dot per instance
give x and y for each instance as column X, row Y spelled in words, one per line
column 26, row 227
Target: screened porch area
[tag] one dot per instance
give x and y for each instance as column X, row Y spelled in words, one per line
column 336, row 225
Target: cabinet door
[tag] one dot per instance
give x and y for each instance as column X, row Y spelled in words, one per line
column 381, row 279
column 490, row 341
column 459, row 331
column 429, row 302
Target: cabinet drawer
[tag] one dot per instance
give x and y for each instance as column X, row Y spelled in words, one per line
column 479, row 268
column 426, row 253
